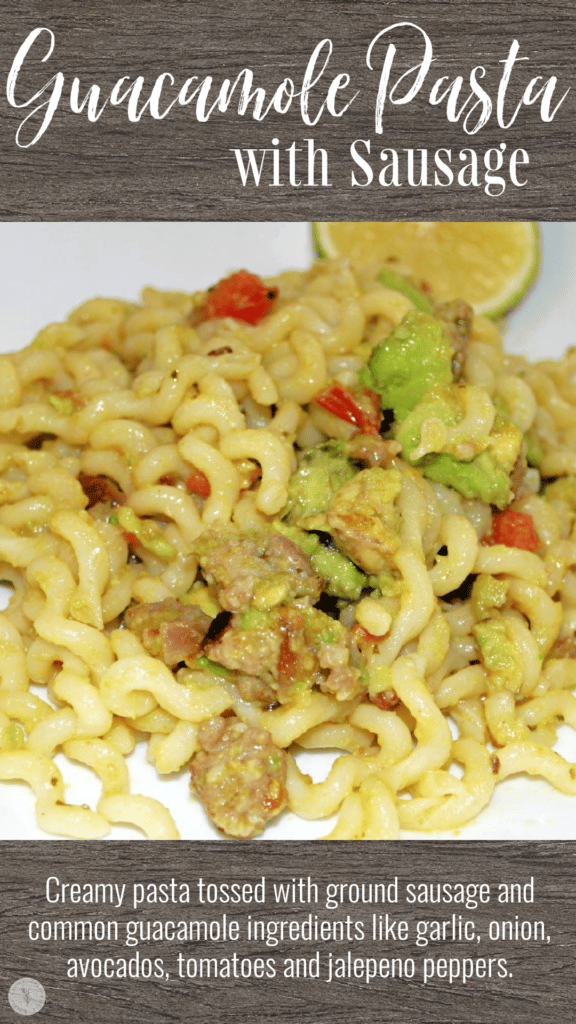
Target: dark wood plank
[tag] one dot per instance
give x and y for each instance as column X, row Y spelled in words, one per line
column 182, row 168
column 540, row 978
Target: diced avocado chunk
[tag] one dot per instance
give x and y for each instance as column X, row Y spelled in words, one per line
column 505, row 442
column 12, row 737
column 254, row 618
column 488, row 592
column 323, row 469
column 485, row 474
column 442, row 405
column 149, row 535
column 481, row 478
column 363, row 519
column 379, row 677
column 399, row 283
column 214, row 667
column 201, row 596
column 534, row 450
column 415, row 357
column 343, row 578
column 385, row 585
column 500, row 657
column 449, row 406
column 63, row 404
column 307, row 542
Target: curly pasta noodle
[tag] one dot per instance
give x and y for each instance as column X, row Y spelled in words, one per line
column 142, row 440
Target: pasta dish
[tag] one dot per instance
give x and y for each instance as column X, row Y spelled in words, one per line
column 319, row 511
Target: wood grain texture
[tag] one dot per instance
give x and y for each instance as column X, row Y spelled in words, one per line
column 541, row 985
column 181, row 169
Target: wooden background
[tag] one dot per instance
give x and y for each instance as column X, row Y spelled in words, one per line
column 180, row 169
column 542, row 986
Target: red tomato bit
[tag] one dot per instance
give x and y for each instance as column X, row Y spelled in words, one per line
column 385, row 701
column 132, row 540
column 361, row 407
column 243, row 296
column 363, row 637
column 199, row 484
column 515, row 530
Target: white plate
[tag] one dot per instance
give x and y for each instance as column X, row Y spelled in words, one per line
column 47, row 269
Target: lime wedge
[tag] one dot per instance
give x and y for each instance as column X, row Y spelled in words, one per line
column 490, row 264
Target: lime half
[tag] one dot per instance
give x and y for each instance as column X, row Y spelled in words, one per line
column 489, row 264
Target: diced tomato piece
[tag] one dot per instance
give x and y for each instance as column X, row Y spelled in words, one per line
column 385, row 701
column 515, row 530
column 131, row 539
column 198, row 483
column 360, row 407
column 243, row 296
column 363, row 637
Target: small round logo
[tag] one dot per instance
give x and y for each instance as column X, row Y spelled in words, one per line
column 26, row 996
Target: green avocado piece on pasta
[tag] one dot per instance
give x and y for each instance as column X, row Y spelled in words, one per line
column 398, row 283
column 415, row 357
column 343, row 578
column 481, row 478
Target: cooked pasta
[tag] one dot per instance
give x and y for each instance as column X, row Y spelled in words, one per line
column 280, row 517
